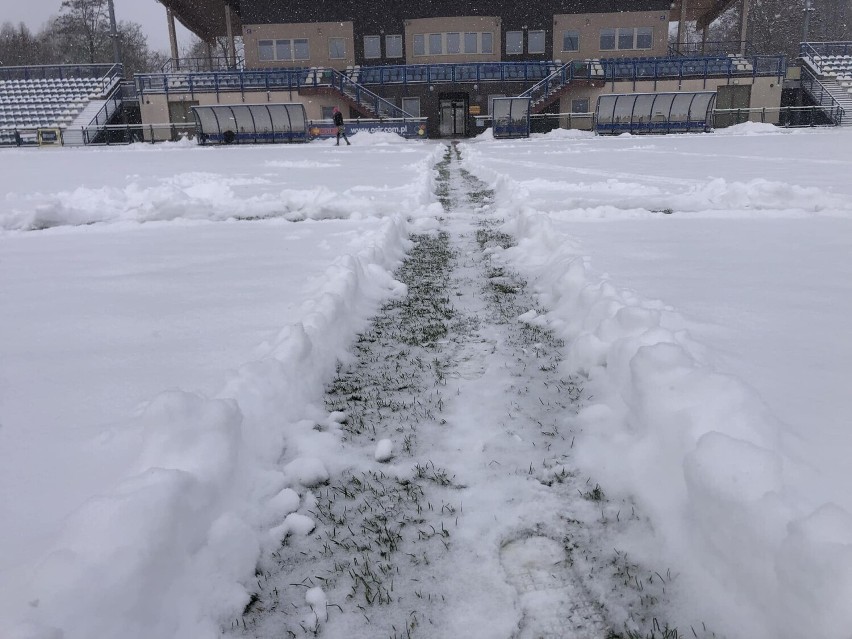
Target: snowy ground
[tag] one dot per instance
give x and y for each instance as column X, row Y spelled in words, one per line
column 609, row 395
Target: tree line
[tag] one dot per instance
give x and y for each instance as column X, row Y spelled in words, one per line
column 78, row 34
column 777, row 26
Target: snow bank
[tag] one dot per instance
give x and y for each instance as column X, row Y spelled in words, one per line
column 167, row 551
column 240, row 183
column 698, row 449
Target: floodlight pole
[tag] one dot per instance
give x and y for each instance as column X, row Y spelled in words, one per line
column 113, row 33
column 809, row 9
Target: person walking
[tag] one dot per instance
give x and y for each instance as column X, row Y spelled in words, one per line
column 341, row 129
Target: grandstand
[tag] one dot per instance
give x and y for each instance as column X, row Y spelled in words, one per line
column 446, row 61
column 76, row 100
column 827, row 78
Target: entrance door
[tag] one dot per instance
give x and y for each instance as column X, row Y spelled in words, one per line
column 732, row 96
column 453, row 117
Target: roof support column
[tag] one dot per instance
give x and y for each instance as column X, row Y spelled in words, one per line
column 681, row 26
column 209, row 48
column 232, row 47
column 744, row 26
column 170, row 17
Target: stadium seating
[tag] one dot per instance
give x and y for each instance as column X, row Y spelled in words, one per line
column 29, row 104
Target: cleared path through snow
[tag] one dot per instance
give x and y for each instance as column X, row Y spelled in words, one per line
column 460, row 513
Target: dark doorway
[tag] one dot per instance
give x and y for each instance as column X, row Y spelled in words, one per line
column 452, row 115
column 733, row 96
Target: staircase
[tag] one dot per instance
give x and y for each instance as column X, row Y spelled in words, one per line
column 357, row 96
column 551, row 88
column 835, row 100
column 843, row 98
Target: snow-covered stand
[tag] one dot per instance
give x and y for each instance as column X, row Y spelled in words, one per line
column 251, row 123
column 655, row 112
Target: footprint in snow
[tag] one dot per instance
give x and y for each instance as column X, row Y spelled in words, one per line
column 555, row 604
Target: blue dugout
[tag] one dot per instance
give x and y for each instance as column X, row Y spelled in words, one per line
column 251, row 123
column 655, row 112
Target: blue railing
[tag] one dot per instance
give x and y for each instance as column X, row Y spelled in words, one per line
column 822, row 96
column 819, row 49
column 693, row 67
column 272, row 80
column 455, row 72
column 710, row 47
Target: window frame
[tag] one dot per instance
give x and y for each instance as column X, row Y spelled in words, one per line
column 421, row 39
column 377, row 41
column 608, row 32
column 448, row 39
column 409, row 99
column 295, row 48
column 520, row 45
column 433, row 38
column 543, row 34
column 482, row 39
column 465, row 41
column 266, row 45
column 574, row 101
column 394, row 52
column 331, row 50
column 649, row 34
column 623, row 33
column 565, row 35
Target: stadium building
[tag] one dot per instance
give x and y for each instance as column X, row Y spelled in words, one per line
column 444, row 61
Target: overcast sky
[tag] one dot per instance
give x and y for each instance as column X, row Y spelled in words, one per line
column 148, row 13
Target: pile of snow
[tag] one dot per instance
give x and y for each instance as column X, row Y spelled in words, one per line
column 762, row 549
column 197, row 183
column 755, row 128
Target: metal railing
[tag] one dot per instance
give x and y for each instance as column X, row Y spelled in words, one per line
column 710, row 47
column 278, row 80
column 820, row 49
column 822, row 96
column 655, row 69
column 196, row 65
column 362, row 95
column 62, row 72
column 460, row 72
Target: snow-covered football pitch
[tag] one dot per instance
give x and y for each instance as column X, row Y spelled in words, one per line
column 568, row 386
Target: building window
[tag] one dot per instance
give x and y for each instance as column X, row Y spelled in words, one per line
column 487, row 43
column 386, row 107
column 411, row 106
column 535, row 42
column 644, row 38
column 328, row 113
column 625, row 38
column 266, row 50
column 419, row 44
column 453, row 43
column 514, row 42
column 393, row 46
column 607, row 39
column 570, row 40
column 372, row 47
column 336, row 48
column 283, row 50
column 471, row 43
column 301, row 50
column 580, row 105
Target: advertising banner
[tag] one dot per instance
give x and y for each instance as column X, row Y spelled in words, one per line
column 411, row 130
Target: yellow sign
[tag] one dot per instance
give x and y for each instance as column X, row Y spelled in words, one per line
column 474, row 109
column 49, row 137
